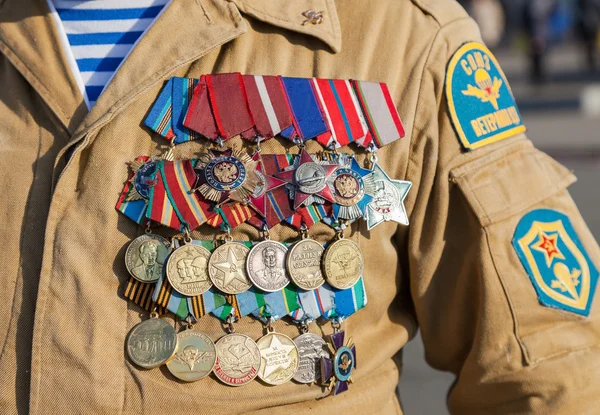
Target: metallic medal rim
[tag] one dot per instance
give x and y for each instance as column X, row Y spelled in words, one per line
column 199, row 248
column 217, row 360
column 288, row 260
column 299, row 356
column 274, row 333
column 194, row 333
column 129, row 247
column 212, row 277
column 256, row 247
column 325, row 259
column 305, row 189
column 134, row 328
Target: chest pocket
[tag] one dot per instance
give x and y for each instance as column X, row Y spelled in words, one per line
column 501, row 189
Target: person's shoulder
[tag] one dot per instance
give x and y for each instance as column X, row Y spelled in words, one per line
column 442, row 11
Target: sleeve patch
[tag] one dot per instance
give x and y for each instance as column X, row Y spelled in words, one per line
column 481, row 104
column 560, row 269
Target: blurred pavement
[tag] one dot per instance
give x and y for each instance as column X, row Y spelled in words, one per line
column 557, row 124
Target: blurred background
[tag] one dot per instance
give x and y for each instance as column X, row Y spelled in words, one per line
column 550, row 52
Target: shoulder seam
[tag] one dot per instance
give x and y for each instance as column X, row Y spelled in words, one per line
column 436, row 14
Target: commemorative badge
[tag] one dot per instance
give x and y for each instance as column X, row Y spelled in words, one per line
column 353, row 189
column 226, row 175
column 310, row 180
column 266, row 266
column 195, row 357
column 151, row 343
column 187, row 269
column 238, row 359
column 227, row 268
column 142, row 180
column 387, row 203
column 303, row 263
column 311, row 348
column 342, row 263
column 481, row 104
column 145, row 257
column 279, row 358
column 560, row 269
column 336, row 372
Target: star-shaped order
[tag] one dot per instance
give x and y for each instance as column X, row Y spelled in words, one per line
column 232, row 268
column 259, row 200
column 388, row 199
column 310, row 180
column 548, row 245
column 276, row 346
column 352, row 200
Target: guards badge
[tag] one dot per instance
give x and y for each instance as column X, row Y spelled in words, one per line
column 559, row 267
column 481, row 104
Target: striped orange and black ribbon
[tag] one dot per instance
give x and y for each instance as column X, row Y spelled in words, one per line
column 141, row 294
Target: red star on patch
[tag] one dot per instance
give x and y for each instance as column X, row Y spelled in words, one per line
column 547, row 244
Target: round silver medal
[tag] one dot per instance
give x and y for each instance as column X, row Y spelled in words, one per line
column 312, row 348
column 145, row 257
column 151, row 343
column 303, row 264
column 187, row 270
column 238, row 359
column 266, row 266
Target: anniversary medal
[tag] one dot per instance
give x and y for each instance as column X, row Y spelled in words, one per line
column 187, row 269
column 336, row 372
column 225, row 175
column 303, row 262
column 310, row 180
column 342, row 262
column 227, row 267
column 353, row 189
column 238, row 358
column 279, row 357
column 311, row 348
column 195, row 357
column 266, row 265
column 151, row 343
column 145, row 257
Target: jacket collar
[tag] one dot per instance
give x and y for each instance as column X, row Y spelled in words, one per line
column 289, row 15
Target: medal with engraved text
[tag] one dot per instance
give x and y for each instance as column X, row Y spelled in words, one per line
column 187, row 270
column 238, row 359
column 303, row 263
column 195, row 357
column 266, row 266
column 227, row 268
column 145, row 257
column 151, row 343
column 342, row 263
column 311, row 349
column 279, row 358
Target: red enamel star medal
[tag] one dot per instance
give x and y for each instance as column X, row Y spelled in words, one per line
column 310, row 180
column 266, row 183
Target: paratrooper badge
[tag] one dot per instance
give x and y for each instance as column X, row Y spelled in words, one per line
column 560, row 269
column 142, row 180
column 226, row 175
column 336, row 373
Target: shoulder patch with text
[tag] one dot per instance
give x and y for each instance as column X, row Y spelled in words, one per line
column 481, row 104
column 558, row 265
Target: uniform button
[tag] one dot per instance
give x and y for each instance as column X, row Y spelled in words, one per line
column 313, row 17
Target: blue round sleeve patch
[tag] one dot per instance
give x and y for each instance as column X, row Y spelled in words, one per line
column 560, row 269
column 481, row 104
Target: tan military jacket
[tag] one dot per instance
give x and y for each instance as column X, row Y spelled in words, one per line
column 452, row 272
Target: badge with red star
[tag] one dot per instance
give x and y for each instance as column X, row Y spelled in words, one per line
column 309, row 180
column 259, row 199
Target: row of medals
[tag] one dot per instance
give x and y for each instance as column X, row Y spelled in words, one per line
column 233, row 268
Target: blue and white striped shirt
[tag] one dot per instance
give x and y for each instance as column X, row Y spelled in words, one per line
column 101, row 33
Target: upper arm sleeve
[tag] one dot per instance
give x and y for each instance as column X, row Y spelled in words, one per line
column 485, row 312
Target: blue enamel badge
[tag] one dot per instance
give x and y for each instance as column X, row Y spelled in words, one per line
column 481, row 104
column 560, row 269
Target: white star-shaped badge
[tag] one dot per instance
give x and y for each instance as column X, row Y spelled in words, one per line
column 276, row 346
column 388, row 200
column 232, row 268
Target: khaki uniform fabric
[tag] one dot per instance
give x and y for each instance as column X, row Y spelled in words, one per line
column 64, row 318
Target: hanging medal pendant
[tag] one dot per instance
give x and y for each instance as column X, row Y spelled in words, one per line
column 195, row 357
column 146, row 255
column 151, row 343
column 279, row 357
column 227, row 267
column 226, row 175
column 303, row 262
column 353, row 188
column 342, row 262
column 187, row 268
column 311, row 348
column 266, row 264
column 238, row 358
column 336, row 372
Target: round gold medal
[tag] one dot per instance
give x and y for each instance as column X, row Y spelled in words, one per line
column 145, row 257
column 303, row 264
column 227, row 268
column 187, row 270
column 279, row 358
column 238, row 359
column 343, row 264
column 195, row 358
column 151, row 343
